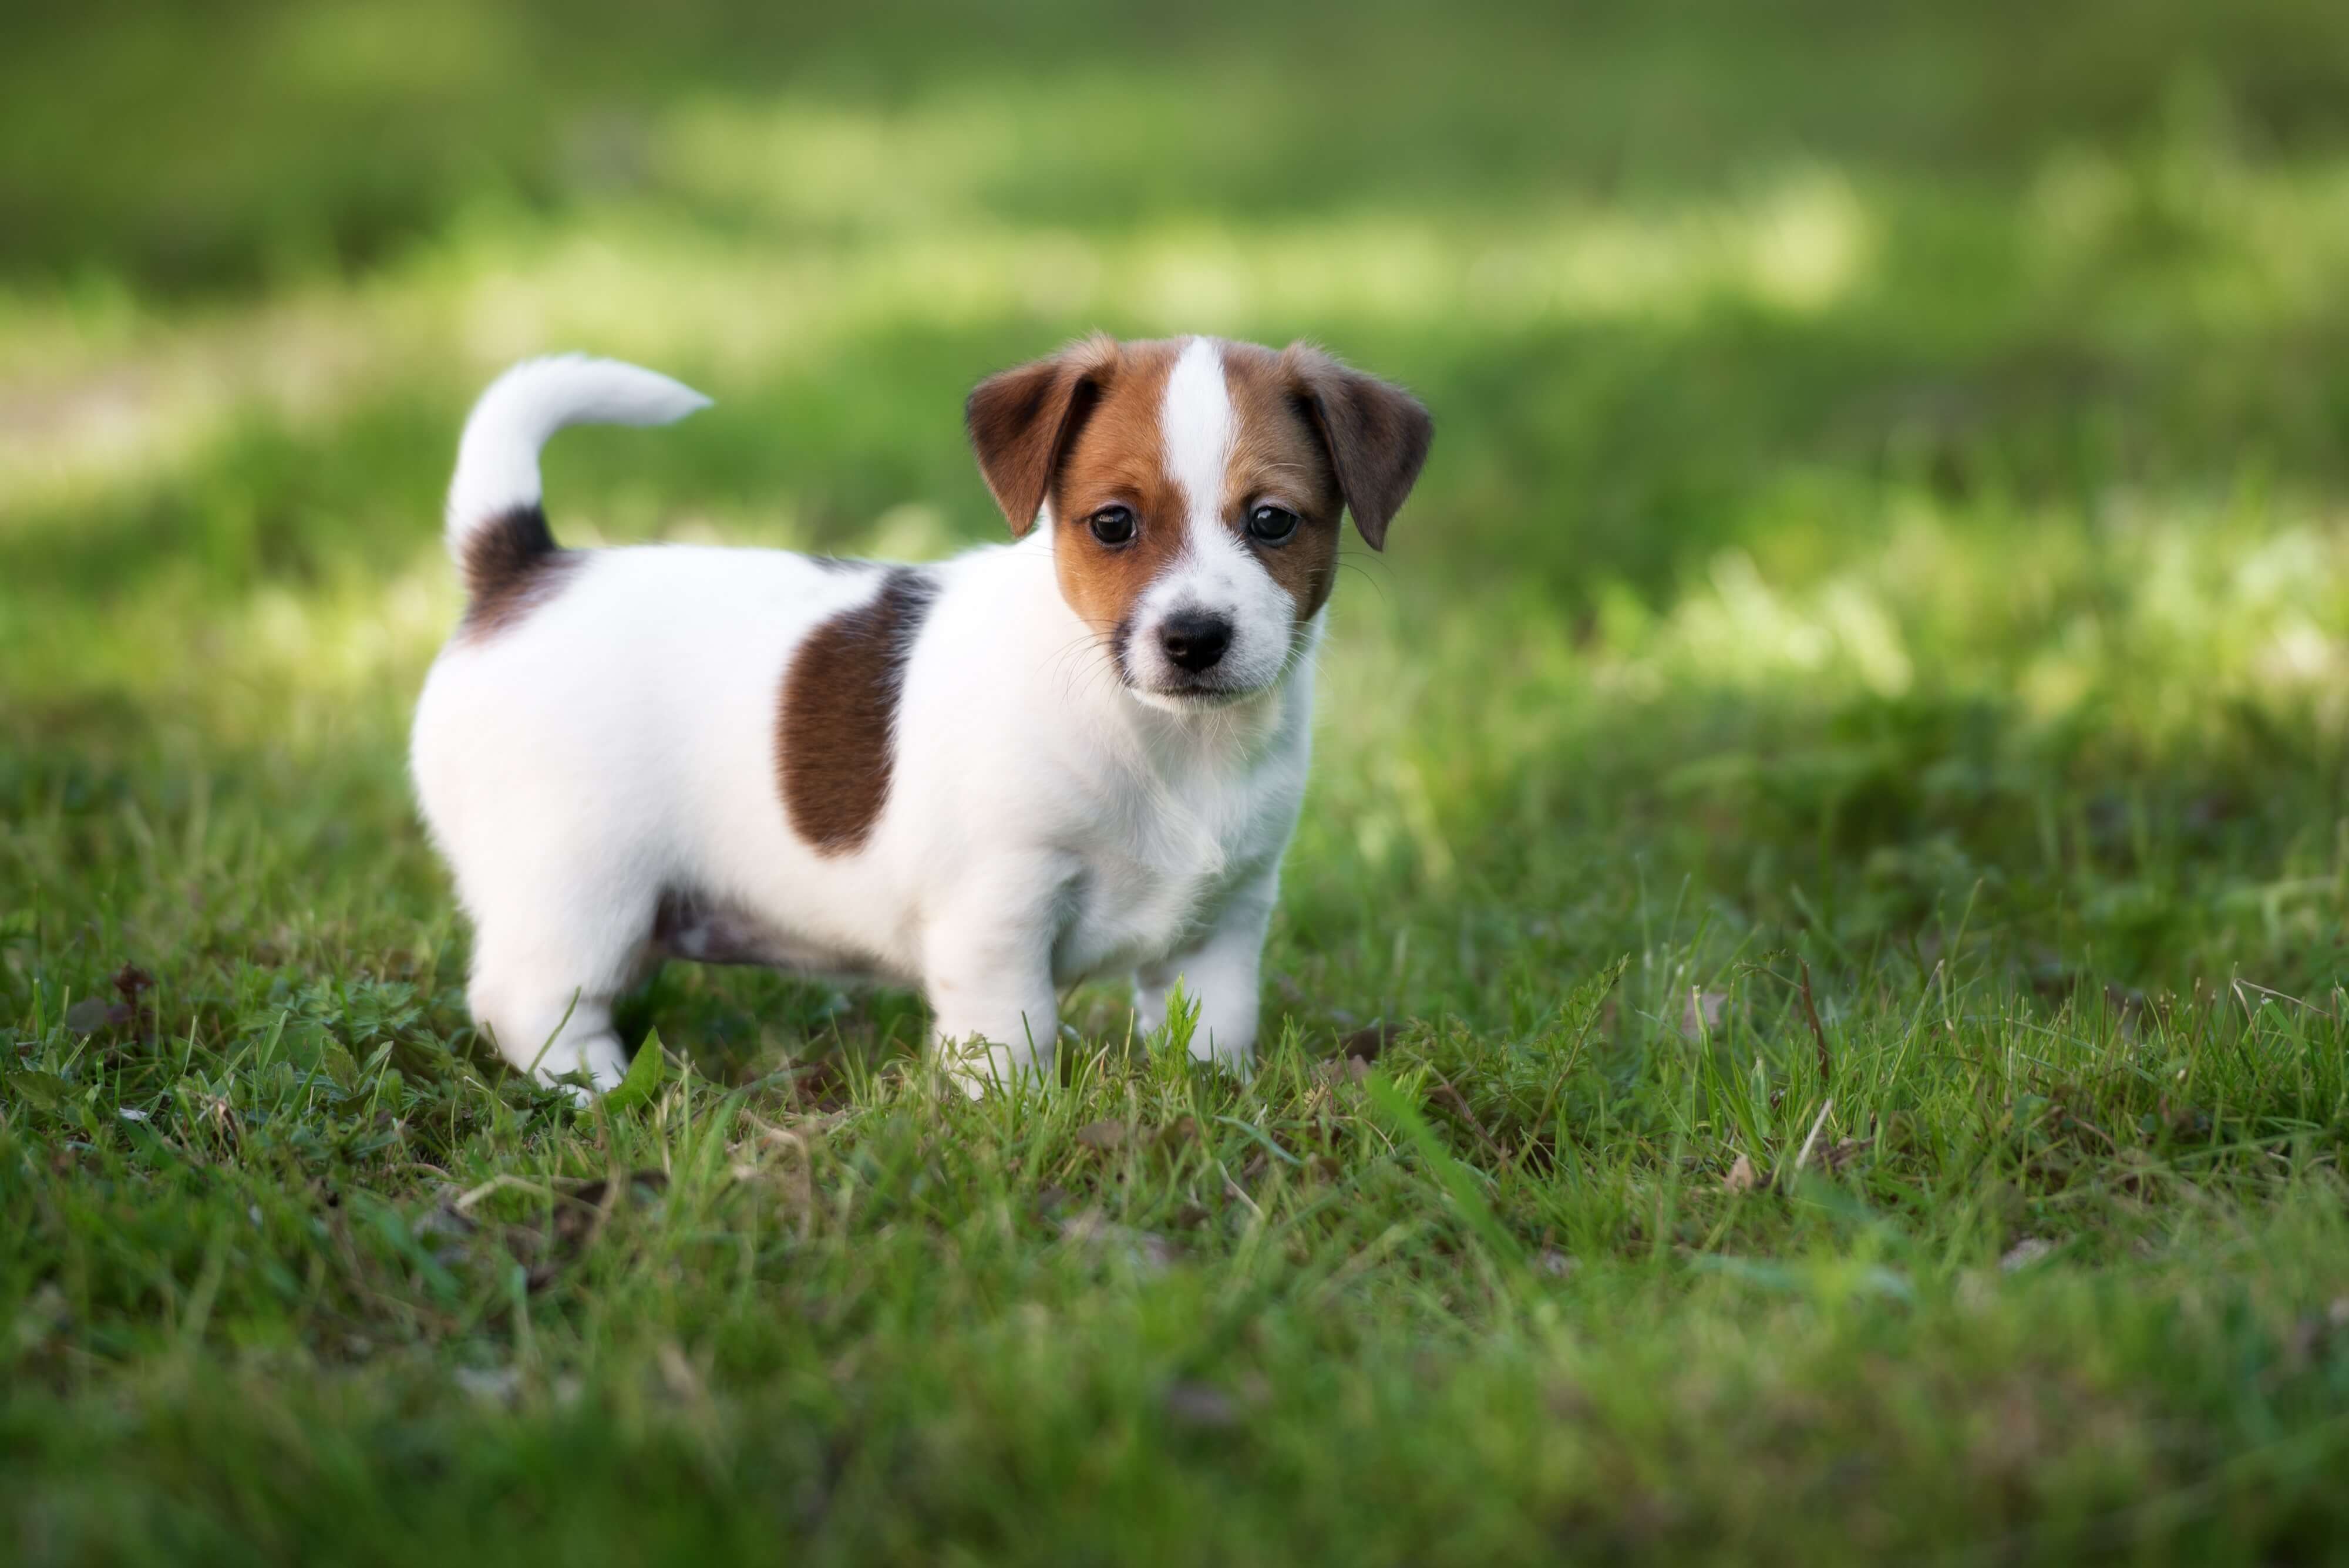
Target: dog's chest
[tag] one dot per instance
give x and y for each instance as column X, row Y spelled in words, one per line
column 1161, row 860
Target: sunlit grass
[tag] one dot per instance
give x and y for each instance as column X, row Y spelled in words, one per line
column 2186, row 240
column 637, row 285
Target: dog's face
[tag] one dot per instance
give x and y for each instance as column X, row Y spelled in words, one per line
column 1195, row 489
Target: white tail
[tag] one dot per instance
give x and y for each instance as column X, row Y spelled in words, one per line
column 497, row 461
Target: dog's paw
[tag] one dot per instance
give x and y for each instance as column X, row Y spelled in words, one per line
column 584, row 1068
column 978, row 1069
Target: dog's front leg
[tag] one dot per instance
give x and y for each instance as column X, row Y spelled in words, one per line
column 1219, row 974
column 987, row 962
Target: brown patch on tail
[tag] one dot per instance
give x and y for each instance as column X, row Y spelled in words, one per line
column 834, row 744
column 511, row 566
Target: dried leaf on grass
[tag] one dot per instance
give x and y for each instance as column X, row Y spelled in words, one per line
column 1340, row 1070
column 92, row 1014
column 1842, row 1152
column 1201, row 1405
column 1106, row 1134
column 2025, row 1252
column 581, row 1209
column 1702, row 1012
column 1148, row 1253
column 491, row 1385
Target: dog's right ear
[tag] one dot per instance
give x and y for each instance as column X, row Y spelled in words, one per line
column 1022, row 422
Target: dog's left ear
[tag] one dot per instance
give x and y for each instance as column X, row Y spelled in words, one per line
column 1377, row 434
column 1022, row 420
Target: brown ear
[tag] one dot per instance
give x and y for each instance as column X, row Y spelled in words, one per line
column 1377, row 434
column 1022, row 422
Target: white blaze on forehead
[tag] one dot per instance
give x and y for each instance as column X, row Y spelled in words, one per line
column 1214, row 572
column 1197, row 425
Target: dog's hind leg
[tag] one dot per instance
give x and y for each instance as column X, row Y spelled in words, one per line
column 545, row 975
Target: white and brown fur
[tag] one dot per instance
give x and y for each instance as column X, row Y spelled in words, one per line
column 990, row 776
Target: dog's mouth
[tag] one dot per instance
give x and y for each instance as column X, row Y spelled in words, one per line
column 1162, row 684
column 1195, row 693
column 1205, row 691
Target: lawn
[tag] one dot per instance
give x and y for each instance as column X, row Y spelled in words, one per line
column 1807, row 1017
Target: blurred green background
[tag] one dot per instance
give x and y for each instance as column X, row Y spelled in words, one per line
column 1889, row 453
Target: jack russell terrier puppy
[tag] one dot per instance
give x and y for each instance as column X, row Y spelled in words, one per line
column 1080, row 754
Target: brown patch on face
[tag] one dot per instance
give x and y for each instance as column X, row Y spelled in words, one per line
column 834, row 744
column 1118, row 459
column 1022, row 422
column 1278, row 458
column 511, row 566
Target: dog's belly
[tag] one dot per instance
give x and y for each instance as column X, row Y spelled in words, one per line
column 705, row 930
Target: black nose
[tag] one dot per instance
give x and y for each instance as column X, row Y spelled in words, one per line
column 1194, row 639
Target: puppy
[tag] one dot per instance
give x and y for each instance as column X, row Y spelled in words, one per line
column 1080, row 754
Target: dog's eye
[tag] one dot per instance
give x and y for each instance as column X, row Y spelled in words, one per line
column 1271, row 524
column 1113, row 525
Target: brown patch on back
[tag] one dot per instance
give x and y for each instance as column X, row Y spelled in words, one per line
column 511, row 566
column 1278, row 456
column 835, row 744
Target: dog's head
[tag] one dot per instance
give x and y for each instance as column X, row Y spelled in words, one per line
column 1194, row 488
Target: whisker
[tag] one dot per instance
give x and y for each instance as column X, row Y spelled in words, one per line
column 1377, row 584
column 1069, row 664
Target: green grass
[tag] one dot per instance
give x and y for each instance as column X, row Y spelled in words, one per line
column 1833, row 799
